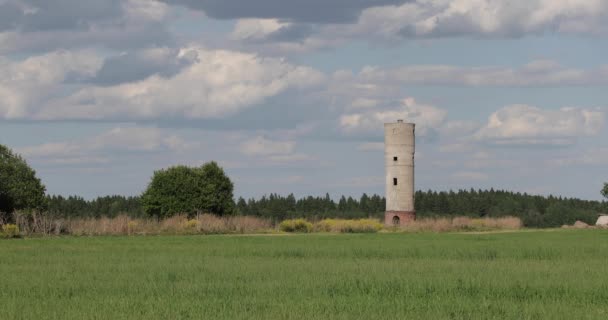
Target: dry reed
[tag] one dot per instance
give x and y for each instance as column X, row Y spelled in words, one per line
column 463, row 224
column 349, row 226
column 36, row 224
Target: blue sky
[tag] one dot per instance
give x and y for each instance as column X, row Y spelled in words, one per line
column 290, row 96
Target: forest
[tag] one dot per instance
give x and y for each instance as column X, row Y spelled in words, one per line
column 534, row 210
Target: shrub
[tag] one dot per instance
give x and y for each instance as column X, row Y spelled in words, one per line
column 296, row 225
column 10, row 231
column 191, row 224
column 132, row 227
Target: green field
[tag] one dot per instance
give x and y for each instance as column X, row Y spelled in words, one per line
column 520, row 275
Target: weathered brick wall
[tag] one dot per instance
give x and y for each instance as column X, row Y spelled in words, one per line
column 404, row 217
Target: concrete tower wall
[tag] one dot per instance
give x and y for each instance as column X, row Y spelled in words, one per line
column 399, row 149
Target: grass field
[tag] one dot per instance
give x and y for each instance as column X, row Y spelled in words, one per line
column 521, row 275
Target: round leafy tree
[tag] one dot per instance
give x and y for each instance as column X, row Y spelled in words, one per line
column 605, row 190
column 188, row 190
column 20, row 189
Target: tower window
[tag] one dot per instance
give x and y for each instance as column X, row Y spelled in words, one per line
column 394, row 158
column 394, row 181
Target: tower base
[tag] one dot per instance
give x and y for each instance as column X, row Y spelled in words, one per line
column 398, row 218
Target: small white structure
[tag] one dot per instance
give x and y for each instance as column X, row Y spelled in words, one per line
column 602, row 221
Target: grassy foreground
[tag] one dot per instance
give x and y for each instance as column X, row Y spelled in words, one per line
column 521, row 275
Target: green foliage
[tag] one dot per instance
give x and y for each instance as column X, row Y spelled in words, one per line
column 296, row 225
column 605, row 190
column 20, row 189
column 531, row 209
column 10, row 231
column 107, row 206
column 182, row 189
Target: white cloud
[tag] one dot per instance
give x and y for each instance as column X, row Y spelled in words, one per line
column 145, row 10
column 371, row 146
column 256, row 29
column 266, row 152
column 45, row 25
column 219, row 84
column 426, row 117
column 97, row 149
column 362, row 182
column 590, row 157
column 216, row 84
column 422, row 19
column 528, row 125
column 26, row 85
column 488, row 18
column 469, row 176
column 535, row 73
column 260, row 146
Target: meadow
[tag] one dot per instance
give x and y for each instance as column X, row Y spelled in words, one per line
column 556, row 274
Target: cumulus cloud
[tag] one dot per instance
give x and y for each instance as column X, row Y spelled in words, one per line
column 320, row 11
column 424, row 19
column 534, row 74
column 469, row 176
column 589, row 157
column 208, row 84
column 97, row 149
column 260, row 146
column 256, row 29
column 427, row 118
column 138, row 65
column 26, row 85
column 35, row 25
column 371, row 146
column 267, row 152
column 528, row 125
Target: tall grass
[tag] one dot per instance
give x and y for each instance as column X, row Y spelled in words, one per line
column 39, row 224
column 463, row 224
column 35, row 224
column 349, row 226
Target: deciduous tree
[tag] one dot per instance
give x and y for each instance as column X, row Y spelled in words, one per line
column 188, row 190
column 20, row 189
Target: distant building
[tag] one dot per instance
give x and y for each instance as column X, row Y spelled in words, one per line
column 602, row 220
column 399, row 149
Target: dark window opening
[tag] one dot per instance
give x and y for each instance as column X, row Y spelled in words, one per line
column 394, row 158
column 396, row 220
column 394, row 181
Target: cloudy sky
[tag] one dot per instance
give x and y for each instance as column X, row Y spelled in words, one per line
column 290, row 96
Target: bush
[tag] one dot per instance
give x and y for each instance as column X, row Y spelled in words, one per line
column 296, row 225
column 185, row 190
column 10, row 231
column 349, row 226
column 191, row 224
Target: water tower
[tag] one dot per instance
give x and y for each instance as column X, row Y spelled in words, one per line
column 399, row 148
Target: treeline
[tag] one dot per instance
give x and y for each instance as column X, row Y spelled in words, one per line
column 108, row 206
column 535, row 211
column 277, row 207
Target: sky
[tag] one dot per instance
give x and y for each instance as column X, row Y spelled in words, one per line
column 291, row 96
